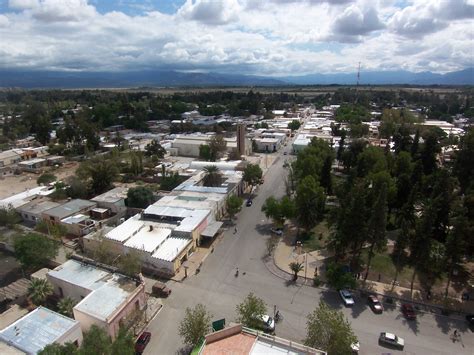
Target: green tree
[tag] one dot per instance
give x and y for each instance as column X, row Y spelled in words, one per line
column 155, row 149
column 65, row 306
column 100, row 171
column 252, row 174
column 294, row 125
column 131, row 263
column 217, row 146
column 310, row 201
column 279, row 210
column 326, row 179
column 39, row 290
column 34, row 251
column 124, row 343
column 96, row 341
column 140, row 197
column 136, row 162
column 46, row 178
column 338, row 278
column 195, row 324
column 205, row 152
column 212, row 176
column 464, row 161
column 250, row 311
column 8, row 216
column 76, row 188
column 59, row 349
column 377, row 226
column 329, row 330
column 296, row 267
column 429, row 151
column 234, row 204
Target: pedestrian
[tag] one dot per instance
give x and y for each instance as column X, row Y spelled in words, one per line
column 274, row 309
column 380, row 276
column 235, row 230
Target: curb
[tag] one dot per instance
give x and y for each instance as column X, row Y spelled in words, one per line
column 430, row 308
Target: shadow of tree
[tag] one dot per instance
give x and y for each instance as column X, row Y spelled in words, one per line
column 263, row 228
column 332, row 299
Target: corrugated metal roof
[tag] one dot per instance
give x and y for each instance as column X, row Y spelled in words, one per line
column 37, row 329
column 171, row 248
column 148, row 238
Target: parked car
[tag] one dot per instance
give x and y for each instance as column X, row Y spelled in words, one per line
column 248, row 203
column 142, row 342
column 160, row 289
column 347, row 298
column 470, row 321
column 267, row 323
column 285, row 153
column 277, row 231
column 391, row 339
column 355, row 347
column 375, row 304
column 408, row 311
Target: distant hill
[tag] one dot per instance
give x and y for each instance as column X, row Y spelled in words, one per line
column 462, row 77
column 58, row 79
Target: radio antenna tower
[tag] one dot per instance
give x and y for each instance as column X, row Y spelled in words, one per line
column 358, row 75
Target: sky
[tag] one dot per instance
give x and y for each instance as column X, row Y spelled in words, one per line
column 260, row 37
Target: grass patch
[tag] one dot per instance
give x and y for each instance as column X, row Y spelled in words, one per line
column 317, row 238
column 383, row 264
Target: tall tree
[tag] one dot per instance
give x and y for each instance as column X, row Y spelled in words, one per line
column 252, row 174
column 34, row 251
column 234, row 204
column 195, row 324
column 96, row 341
column 65, row 306
column 310, row 202
column 59, row 349
column 377, row 226
column 155, row 149
column 100, row 171
column 279, row 210
column 250, row 311
column 217, row 146
column 464, row 161
column 429, row 151
column 131, row 263
column 39, row 290
column 294, row 125
column 326, row 179
column 124, row 343
column 212, row 176
column 329, row 330
column 140, row 197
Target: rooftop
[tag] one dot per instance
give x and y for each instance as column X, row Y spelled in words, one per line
column 38, row 206
column 24, row 197
column 148, row 238
column 171, row 248
column 112, row 196
column 107, row 293
column 70, row 208
column 36, row 330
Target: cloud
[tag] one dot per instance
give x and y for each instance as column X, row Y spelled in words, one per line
column 424, row 18
column 282, row 37
column 210, row 12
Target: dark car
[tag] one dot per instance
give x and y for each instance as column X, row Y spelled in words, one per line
column 142, row 342
column 470, row 321
column 160, row 289
column 375, row 304
column 408, row 311
column 248, row 203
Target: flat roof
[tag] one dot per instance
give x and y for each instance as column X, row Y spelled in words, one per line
column 23, row 197
column 171, row 248
column 111, row 196
column 102, row 302
column 212, row 229
column 69, row 208
column 38, row 206
column 125, row 230
column 148, row 238
column 77, row 218
column 32, row 161
column 37, row 329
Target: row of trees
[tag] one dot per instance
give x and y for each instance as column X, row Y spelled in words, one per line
column 327, row 329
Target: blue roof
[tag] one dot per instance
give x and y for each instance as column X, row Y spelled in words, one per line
column 37, row 329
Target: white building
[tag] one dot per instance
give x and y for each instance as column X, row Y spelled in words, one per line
column 39, row 328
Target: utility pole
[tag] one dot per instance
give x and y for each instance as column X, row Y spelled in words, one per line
column 358, row 75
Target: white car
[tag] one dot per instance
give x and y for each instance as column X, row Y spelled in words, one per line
column 346, row 297
column 391, row 340
column 268, row 323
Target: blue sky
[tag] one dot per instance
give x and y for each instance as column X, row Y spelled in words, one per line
column 264, row 37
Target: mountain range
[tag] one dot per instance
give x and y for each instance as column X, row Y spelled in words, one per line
column 160, row 78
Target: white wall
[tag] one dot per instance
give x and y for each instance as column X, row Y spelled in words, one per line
column 75, row 334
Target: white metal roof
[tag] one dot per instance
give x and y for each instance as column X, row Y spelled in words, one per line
column 24, row 197
column 171, row 248
column 148, row 238
column 125, row 230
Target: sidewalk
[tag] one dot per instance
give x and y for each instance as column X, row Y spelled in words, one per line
column 285, row 253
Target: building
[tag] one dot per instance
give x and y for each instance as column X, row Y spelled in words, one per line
column 39, row 328
column 32, row 165
column 241, row 340
column 32, row 211
column 22, row 198
column 241, row 139
column 71, row 208
column 10, row 157
column 187, row 145
column 113, row 200
column 106, row 299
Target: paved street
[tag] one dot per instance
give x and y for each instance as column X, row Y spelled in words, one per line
column 217, row 288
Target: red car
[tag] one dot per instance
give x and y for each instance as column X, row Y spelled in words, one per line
column 375, row 304
column 408, row 311
column 142, row 342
